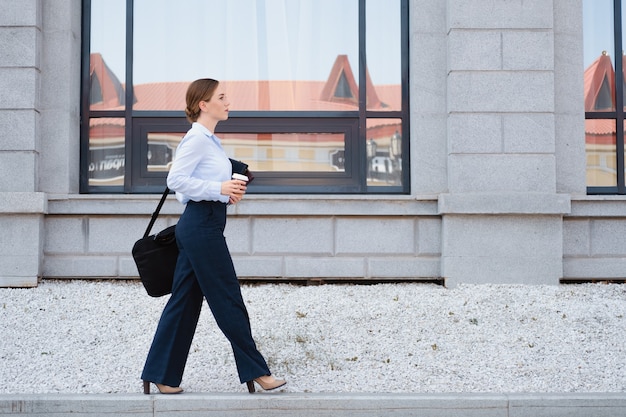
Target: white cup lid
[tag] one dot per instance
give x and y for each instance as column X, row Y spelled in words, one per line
column 240, row 177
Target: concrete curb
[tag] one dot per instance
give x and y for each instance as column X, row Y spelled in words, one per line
column 314, row 405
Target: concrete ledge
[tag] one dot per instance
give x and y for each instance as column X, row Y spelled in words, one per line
column 18, row 281
column 313, row 405
column 502, row 203
column 23, row 203
column 598, row 206
column 252, row 205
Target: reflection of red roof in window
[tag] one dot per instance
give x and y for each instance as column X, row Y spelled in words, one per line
column 341, row 73
column 599, row 89
column 107, row 92
column 601, row 69
column 600, row 127
column 338, row 93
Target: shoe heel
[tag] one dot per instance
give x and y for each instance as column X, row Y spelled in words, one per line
column 146, row 387
column 250, row 387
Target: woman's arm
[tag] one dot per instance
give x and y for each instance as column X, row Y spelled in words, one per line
column 180, row 178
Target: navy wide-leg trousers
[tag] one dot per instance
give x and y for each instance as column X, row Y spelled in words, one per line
column 204, row 270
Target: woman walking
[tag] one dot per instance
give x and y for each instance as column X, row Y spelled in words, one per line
column 201, row 178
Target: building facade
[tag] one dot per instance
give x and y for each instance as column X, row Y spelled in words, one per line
column 497, row 148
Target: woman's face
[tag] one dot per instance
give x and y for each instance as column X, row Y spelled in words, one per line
column 217, row 106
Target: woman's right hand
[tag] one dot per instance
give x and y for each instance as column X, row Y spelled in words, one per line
column 234, row 189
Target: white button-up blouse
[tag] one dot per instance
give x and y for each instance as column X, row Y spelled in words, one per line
column 199, row 168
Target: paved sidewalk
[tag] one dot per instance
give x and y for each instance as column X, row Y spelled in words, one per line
column 316, row 405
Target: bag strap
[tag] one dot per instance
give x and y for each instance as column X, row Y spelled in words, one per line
column 156, row 213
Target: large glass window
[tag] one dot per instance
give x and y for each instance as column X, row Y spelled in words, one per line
column 604, row 81
column 318, row 91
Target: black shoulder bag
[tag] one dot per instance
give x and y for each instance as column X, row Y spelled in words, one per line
column 156, row 255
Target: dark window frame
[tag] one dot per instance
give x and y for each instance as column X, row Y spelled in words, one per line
column 618, row 114
column 351, row 123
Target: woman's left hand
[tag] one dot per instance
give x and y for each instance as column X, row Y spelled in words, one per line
column 234, row 189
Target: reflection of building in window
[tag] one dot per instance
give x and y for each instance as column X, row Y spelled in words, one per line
column 161, row 148
column 106, row 90
column 600, row 134
column 341, row 87
column 314, row 152
column 106, row 151
column 384, row 155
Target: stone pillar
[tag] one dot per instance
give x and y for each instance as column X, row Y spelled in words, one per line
column 22, row 207
column 502, row 216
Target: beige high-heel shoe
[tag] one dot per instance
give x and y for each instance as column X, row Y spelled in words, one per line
column 163, row 389
column 267, row 382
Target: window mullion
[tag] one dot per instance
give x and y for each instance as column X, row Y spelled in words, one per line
column 128, row 98
column 363, row 160
column 619, row 96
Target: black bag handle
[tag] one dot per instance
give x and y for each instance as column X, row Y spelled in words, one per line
column 156, row 213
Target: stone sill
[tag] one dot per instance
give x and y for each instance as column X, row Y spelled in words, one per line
column 598, row 206
column 23, row 203
column 252, row 205
column 325, row 205
column 504, row 203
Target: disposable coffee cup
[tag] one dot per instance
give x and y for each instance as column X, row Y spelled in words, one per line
column 240, row 177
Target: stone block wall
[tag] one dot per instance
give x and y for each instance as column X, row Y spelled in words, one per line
column 497, row 164
column 21, row 206
column 269, row 239
column 594, row 244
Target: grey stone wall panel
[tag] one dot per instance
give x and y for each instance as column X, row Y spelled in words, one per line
column 529, row 133
column 95, row 266
column 238, row 234
column 22, row 166
column 501, row 91
column 546, row 270
column 266, row 266
column 498, row 14
column 23, row 203
column 18, row 130
column 524, row 50
column 576, row 238
column 375, row 235
column 511, row 236
column 65, row 235
column 293, row 235
column 608, row 237
column 19, row 47
column 424, row 267
column 327, row 267
column 505, row 203
column 20, row 246
column 475, row 50
column 20, row 88
column 429, row 236
column 502, row 173
column 20, row 13
column 586, row 269
column 470, row 133
column 428, row 91
column 429, row 155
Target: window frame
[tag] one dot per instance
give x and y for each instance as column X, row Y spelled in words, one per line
column 352, row 123
column 618, row 114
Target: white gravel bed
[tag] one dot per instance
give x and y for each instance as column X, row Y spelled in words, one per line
column 93, row 336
